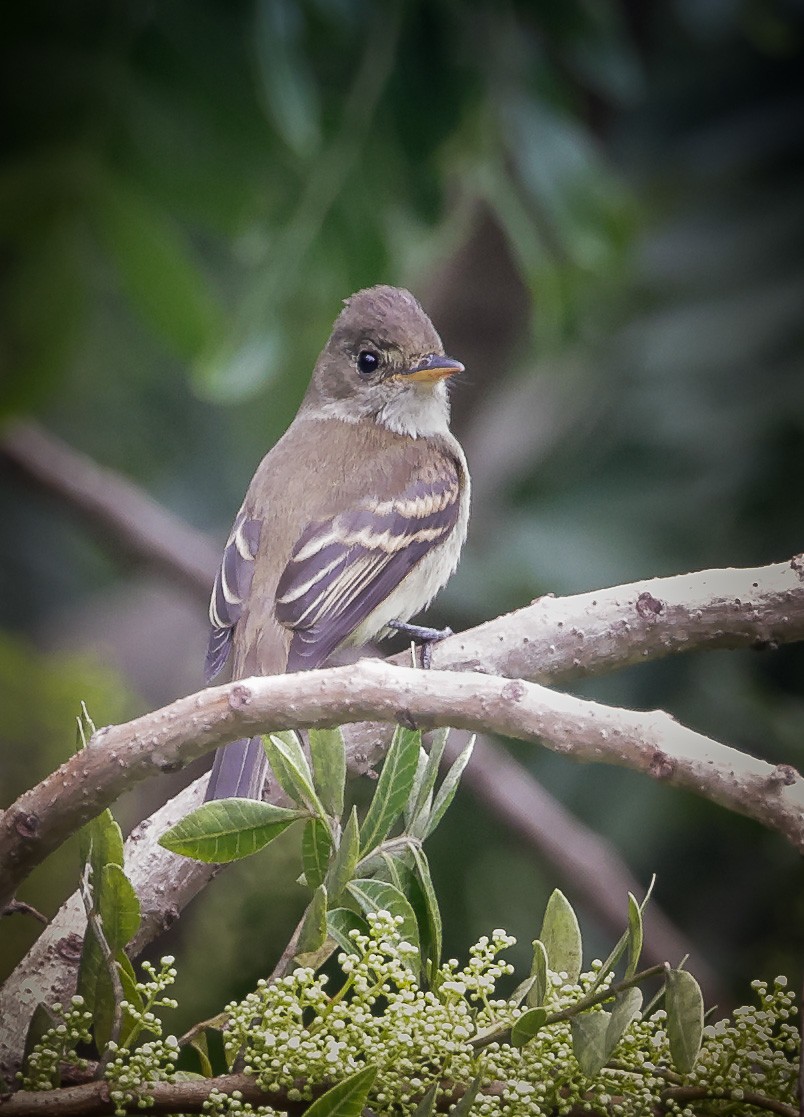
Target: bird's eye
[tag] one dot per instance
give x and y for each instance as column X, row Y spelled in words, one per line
column 367, row 362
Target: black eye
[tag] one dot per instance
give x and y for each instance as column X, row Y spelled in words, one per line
column 367, row 362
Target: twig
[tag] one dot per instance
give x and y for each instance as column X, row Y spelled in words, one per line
column 686, row 1094
column 19, row 907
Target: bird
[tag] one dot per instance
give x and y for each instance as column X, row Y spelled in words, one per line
column 353, row 521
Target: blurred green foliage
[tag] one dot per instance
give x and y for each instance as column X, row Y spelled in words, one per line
column 190, row 189
column 40, row 699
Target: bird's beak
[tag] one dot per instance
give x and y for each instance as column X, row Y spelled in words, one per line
column 431, row 368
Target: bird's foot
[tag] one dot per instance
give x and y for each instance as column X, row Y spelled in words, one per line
column 421, row 634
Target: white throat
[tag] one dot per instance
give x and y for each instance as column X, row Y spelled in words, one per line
column 416, row 412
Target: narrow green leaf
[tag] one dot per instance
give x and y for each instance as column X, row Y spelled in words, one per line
column 635, row 936
column 378, row 895
column 433, row 912
column 626, row 1009
column 426, row 1107
column 521, row 991
column 314, row 928
column 100, row 843
column 316, row 850
column 391, row 873
column 344, row 863
column 118, row 907
column 589, row 1041
column 561, row 936
column 42, row 1021
column 340, row 921
column 347, row 1098
column 328, row 755
column 527, row 1025
column 464, row 1107
column 228, row 829
column 446, row 793
column 291, row 769
column 128, row 981
column 623, row 943
column 412, row 806
column 426, row 777
column 538, row 971
column 393, row 788
column 685, row 1019
column 201, row 1047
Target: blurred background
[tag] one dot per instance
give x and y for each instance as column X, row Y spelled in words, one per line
column 600, row 204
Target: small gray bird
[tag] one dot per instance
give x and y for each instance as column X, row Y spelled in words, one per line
column 353, row 521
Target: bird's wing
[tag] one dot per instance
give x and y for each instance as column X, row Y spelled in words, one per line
column 342, row 568
column 232, row 584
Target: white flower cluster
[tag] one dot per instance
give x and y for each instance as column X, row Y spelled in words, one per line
column 296, row 1040
column 130, row 1068
column 58, row 1045
column 756, row 1049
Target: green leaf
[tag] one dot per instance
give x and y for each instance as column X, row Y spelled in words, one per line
column 118, row 907
column 434, row 925
column 426, row 1107
column 589, row 1041
column 201, row 1047
column 344, row 864
column 464, row 1107
column 378, row 895
column 316, row 849
column 424, row 783
column 446, row 793
column 340, row 921
column 291, row 769
column 314, row 928
column 626, row 941
column 538, row 971
column 128, row 982
column 393, row 788
column 328, row 755
column 527, row 1025
column 683, row 1002
column 635, row 936
column 42, row 1021
column 228, row 829
column 626, row 1009
column 390, row 871
column 101, row 843
column 596, row 1034
column 347, row 1098
column 561, row 936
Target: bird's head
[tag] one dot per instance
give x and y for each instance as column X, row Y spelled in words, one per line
column 384, row 362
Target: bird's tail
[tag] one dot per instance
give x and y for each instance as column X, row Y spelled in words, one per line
column 238, row 770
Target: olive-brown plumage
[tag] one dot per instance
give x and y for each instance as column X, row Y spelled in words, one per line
column 354, row 519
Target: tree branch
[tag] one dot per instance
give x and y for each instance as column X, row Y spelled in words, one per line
column 141, row 528
column 120, row 756
column 635, row 622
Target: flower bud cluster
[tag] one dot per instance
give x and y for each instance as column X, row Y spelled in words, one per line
column 58, row 1045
